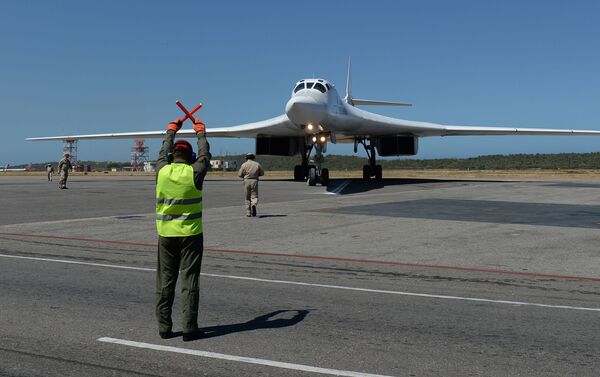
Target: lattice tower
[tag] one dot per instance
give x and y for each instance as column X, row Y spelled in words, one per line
column 139, row 155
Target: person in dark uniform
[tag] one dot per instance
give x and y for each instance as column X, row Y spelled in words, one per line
column 179, row 179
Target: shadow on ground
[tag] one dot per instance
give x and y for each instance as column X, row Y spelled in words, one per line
column 260, row 322
column 488, row 211
column 358, row 185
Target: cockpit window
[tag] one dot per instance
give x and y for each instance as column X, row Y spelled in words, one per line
column 320, row 87
column 327, row 85
column 309, row 85
column 299, row 87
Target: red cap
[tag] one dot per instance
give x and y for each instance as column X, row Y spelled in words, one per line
column 183, row 144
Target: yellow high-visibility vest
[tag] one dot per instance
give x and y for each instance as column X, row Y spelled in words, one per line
column 178, row 202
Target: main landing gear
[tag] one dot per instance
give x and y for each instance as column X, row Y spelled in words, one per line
column 313, row 174
column 372, row 170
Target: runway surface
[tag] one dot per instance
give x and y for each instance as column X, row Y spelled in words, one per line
column 394, row 278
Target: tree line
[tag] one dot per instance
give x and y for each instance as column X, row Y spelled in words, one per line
column 491, row 162
column 341, row 162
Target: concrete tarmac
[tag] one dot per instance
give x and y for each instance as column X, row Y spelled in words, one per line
column 404, row 277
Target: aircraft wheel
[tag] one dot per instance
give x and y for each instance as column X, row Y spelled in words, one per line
column 299, row 173
column 324, row 177
column 312, row 176
column 378, row 172
column 366, row 172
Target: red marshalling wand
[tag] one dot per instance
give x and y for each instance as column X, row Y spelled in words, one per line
column 188, row 114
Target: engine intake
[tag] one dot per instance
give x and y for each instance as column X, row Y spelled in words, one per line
column 280, row 146
column 397, row 145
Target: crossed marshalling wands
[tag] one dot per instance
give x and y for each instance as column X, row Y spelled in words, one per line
column 188, row 114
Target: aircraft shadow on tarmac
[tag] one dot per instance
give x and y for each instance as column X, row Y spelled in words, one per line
column 260, row 322
column 486, row 211
column 358, row 185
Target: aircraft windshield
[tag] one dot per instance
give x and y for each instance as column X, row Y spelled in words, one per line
column 311, row 85
column 320, row 87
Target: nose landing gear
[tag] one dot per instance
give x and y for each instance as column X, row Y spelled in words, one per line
column 317, row 174
column 314, row 177
column 313, row 174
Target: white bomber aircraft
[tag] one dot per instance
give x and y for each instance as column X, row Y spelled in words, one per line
column 316, row 115
column 6, row 168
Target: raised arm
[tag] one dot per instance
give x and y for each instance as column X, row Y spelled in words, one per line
column 202, row 162
column 167, row 145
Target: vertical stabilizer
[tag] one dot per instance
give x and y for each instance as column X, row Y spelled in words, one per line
column 355, row 101
column 348, row 97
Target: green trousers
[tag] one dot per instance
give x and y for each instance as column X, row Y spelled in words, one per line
column 178, row 254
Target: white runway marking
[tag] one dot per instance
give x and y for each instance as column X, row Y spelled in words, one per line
column 381, row 291
column 66, row 221
column 241, row 359
column 339, row 188
column 400, row 293
column 80, row 263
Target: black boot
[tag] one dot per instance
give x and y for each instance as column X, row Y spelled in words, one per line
column 194, row 335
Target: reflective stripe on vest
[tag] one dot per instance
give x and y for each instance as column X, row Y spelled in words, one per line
column 178, row 202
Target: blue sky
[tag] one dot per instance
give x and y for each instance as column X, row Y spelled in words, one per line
column 71, row 67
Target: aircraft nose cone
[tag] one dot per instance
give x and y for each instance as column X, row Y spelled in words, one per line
column 305, row 110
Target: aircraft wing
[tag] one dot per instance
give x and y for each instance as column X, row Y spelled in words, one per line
column 362, row 124
column 278, row 126
column 371, row 124
column 474, row 130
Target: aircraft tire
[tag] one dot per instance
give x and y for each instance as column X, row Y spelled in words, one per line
column 366, row 172
column 325, row 177
column 312, row 176
column 378, row 172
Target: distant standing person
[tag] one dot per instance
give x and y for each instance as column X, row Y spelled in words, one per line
column 63, row 168
column 249, row 172
column 50, row 171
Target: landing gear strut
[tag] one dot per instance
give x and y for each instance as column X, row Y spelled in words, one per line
column 313, row 174
column 301, row 171
column 372, row 170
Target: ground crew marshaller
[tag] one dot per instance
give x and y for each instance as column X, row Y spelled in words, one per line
column 249, row 172
column 179, row 180
column 50, row 171
column 64, row 166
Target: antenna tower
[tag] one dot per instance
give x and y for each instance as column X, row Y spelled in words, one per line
column 139, row 155
column 70, row 147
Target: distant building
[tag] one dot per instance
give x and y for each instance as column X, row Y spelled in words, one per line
column 230, row 165
column 149, row 166
column 223, row 165
column 78, row 168
column 216, row 164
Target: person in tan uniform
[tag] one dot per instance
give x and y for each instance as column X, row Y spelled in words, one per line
column 249, row 172
column 49, row 172
column 64, row 166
